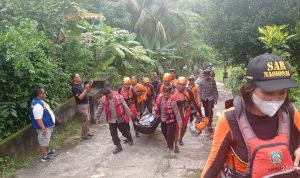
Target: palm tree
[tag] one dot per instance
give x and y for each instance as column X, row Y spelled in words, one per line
column 159, row 24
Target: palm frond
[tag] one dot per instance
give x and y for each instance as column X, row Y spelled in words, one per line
column 142, row 18
column 161, row 29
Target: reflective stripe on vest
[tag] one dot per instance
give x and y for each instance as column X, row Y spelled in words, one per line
column 46, row 118
column 118, row 106
column 267, row 157
column 128, row 97
column 169, row 114
column 183, row 103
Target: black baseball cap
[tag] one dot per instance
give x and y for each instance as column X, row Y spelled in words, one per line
column 270, row 73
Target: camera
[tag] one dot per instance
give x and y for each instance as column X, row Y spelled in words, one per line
column 96, row 83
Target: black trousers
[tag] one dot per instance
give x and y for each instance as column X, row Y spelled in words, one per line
column 208, row 109
column 127, row 127
column 168, row 132
column 149, row 105
column 114, row 132
column 193, row 114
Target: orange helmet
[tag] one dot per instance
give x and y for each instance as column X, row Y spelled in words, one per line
column 167, row 77
column 126, row 81
column 182, row 80
column 146, row 80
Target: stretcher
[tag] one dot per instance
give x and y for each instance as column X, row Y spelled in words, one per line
column 147, row 124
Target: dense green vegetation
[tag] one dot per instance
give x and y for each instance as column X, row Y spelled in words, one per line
column 42, row 42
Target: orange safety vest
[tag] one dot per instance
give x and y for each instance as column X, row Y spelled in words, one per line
column 195, row 92
column 183, row 103
column 168, row 111
column 128, row 97
column 161, row 88
column 266, row 158
column 141, row 92
column 118, row 105
column 174, row 82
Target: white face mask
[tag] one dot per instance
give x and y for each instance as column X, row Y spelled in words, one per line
column 267, row 107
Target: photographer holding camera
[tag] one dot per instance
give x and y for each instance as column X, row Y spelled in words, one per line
column 80, row 93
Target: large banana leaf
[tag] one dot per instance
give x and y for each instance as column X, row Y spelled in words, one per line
column 106, row 62
column 147, row 59
column 127, row 64
column 124, row 49
column 120, row 52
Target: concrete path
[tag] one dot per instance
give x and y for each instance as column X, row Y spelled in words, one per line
column 147, row 157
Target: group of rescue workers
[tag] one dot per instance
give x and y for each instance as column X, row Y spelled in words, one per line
column 176, row 101
column 258, row 136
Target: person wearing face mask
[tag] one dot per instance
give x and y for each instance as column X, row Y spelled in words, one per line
column 259, row 135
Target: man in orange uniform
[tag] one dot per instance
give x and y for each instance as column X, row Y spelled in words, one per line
column 141, row 95
column 150, row 94
column 130, row 97
column 191, row 86
column 185, row 99
column 166, row 82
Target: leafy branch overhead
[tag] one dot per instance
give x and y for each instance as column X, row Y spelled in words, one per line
column 276, row 39
column 119, row 48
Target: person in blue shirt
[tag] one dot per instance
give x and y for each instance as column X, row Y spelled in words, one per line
column 43, row 121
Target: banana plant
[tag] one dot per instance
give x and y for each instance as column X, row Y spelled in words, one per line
column 120, row 50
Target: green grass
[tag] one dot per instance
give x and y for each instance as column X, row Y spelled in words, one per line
column 9, row 167
column 219, row 73
column 72, row 128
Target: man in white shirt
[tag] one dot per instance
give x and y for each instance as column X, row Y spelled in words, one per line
column 43, row 121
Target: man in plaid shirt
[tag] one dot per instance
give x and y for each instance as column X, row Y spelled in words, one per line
column 208, row 95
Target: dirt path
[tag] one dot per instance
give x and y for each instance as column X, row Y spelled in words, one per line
column 147, row 157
